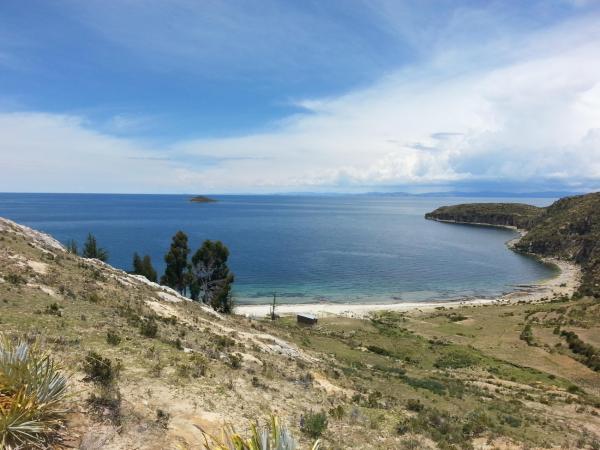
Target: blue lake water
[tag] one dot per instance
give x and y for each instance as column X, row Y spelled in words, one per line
column 305, row 248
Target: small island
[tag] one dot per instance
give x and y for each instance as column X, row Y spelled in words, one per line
column 202, row 199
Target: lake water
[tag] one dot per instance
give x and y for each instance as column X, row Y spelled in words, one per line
column 305, row 248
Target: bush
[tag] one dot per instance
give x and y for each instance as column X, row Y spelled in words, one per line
column 32, row 390
column 513, row 421
column 149, row 328
column 235, row 360
column 15, row 279
column 196, row 367
column 455, row 360
column 379, row 350
column 427, row 383
column 337, row 412
column 527, row 335
column 53, row 310
column 448, row 431
column 104, row 374
column 100, row 370
column 591, row 355
column 314, row 424
column 113, row 338
column 456, row 317
column 414, row 405
column 223, row 342
column 163, row 418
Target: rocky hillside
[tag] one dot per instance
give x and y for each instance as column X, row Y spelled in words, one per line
column 151, row 370
column 567, row 229
column 163, row 368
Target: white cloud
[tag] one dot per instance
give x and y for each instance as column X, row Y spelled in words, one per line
column 532, row 116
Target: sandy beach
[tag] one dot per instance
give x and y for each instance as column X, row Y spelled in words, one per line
column 565, row 282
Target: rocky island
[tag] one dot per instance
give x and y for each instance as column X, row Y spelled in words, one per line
column 202, row 199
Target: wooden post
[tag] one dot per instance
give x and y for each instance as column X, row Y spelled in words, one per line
column 273, row 307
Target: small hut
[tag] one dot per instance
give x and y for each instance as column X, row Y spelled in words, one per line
column 306, row 319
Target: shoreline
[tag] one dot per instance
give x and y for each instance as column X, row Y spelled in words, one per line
column 565, row 282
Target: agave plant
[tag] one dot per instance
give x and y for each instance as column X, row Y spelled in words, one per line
column 273, row 436
column 32, row 392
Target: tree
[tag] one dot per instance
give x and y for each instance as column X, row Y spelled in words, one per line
column 137, row 264
column 91, row 249
column 193, row 285
column 72, row 247
column 149, row 271
column 176, row 272
column 143, row 266
column 211, row 273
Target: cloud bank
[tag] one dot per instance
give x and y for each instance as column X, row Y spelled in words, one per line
column 520, row 111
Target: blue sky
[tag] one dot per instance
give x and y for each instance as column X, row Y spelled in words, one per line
column 319, row 96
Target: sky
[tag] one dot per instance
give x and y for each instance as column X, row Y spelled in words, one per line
column 206, row 97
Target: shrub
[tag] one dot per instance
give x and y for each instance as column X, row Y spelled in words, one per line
column 379, row 350
column 100, row 370
column 414, row 405
column 223, row 342
column 32, row 392
column 149, row 328
column 527, row 334
column 163, row 418
column 427, row 383
column 337, row 412
column 314, row 424
column 455, row 360
column 177, row 343
column 196, row 367
column 53, row 310
column 448, row 431
column 199, row 365
column 513, row 421
column 591, row 354
column 113, row 338
column 235, row 360
column 104, row 374
column 456, row 317
column 15, row 279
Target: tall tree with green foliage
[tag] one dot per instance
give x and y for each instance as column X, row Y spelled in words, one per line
column 91, row 249
column 194, row 286
column 211, row 273
column 72, row 247
column 143, row 266
column 176, row 272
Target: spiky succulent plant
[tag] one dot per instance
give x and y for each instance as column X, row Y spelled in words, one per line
column 32, row 394
column 273, row 436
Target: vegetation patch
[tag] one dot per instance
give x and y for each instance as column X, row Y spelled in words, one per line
column 590, row 354
column 456, row 359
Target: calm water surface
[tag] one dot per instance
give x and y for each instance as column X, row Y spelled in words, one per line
column 329, row 248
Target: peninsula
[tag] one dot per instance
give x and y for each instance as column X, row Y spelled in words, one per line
column 568, row 230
